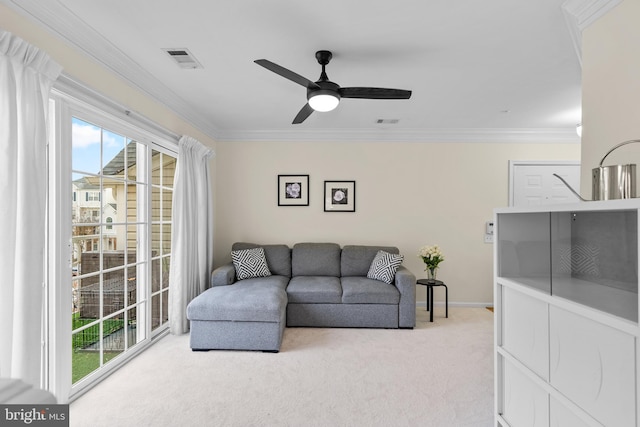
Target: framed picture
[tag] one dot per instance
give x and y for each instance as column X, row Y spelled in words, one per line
column 293, row 190
column 339, row 196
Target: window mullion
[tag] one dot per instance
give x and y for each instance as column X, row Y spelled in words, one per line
column 144, row 242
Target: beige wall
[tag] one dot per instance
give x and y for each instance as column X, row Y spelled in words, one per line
column 407, row 195
column 611, row 89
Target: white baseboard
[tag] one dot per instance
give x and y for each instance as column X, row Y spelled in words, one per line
column 456, row 304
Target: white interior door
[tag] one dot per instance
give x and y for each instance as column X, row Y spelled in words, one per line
column 533, row 183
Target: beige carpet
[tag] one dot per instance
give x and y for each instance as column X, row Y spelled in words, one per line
column 438, row 374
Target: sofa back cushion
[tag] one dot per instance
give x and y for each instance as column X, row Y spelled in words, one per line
column 315, row 259
column 356, row 260
column 278, row 256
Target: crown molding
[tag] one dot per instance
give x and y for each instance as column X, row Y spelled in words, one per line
column 579, row 14
column 587, row 12
column 533, row 135
column 65, row 24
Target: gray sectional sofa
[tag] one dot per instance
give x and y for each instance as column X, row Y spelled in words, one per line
column 311, row 284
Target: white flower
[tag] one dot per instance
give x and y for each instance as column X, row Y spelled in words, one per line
column 431, row 255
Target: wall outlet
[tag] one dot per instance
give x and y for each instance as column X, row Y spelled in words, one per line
column 488, row 238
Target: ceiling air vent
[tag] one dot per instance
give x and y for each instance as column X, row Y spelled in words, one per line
column 183, row 58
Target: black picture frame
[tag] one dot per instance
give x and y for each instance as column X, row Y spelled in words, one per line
column 339, row 196
column 293, row 190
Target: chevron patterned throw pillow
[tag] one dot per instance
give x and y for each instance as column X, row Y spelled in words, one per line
column 250, row 263
column 384, row 266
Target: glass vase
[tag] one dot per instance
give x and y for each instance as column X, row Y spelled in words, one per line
column 431, row 273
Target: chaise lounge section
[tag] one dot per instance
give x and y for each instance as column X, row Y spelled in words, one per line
column 311, row 285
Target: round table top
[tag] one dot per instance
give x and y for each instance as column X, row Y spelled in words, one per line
column 430, row 282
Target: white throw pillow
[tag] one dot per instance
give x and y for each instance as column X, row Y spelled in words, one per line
column 384, row 266
column 250, row 263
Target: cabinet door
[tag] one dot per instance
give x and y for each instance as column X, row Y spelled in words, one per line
column 594, row 366
column 563, row 417
column 525, row 330
column 525, row 404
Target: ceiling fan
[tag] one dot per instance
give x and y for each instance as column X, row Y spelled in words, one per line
column 324, row 95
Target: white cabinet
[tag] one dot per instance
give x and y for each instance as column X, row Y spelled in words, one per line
column 566, row 315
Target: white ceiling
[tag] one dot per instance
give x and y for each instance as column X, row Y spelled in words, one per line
column 479, row 70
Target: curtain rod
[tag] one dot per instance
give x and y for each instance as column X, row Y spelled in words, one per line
column 72, row 87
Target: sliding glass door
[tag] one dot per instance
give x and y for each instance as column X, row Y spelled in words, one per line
column 117, row 219
column 108, row 262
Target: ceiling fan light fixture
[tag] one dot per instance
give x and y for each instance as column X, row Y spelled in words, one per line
column 323, row 101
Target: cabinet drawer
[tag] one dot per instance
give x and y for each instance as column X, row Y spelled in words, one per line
column 594, row 366
column 561, row 416
column 525, row 404
column 525, row 330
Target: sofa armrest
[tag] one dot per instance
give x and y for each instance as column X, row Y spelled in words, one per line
column 406, row 283
column 223, row 275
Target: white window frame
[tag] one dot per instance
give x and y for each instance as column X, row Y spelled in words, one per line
column 73, row 100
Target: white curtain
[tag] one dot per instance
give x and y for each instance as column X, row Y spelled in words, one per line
column 26, row 77
column 191, row 231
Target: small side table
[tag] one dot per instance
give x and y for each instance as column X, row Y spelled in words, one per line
column 430, row 284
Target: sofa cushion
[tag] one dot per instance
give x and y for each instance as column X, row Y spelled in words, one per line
column 278, row 256
column 315, row 259
column 252, row 300
column 360, row 290
column 356, row 260
column 384, row 266
column 314, row 289
column 250, row 263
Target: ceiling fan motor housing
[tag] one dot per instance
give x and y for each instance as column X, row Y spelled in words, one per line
column 326, row 88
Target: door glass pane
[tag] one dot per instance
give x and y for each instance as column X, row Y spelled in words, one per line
column 165, row 306
column 88, row 299
column 113, row 290
column 132, row 325
column 132, row 243
column 156, row 207
column 155, row 240
column 156, row 275
column 84, row 358
column 132, row 152
column 166, row 263
column 155, row 311
column 113, row 336
column 85, row 143
column 113, row 237
column 132, row 286
column 168, row 170
column 112, row 154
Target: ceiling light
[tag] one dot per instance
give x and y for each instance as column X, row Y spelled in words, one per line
column 324, row 100
column 579, row 129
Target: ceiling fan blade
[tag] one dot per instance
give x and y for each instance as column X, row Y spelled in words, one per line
column 374, row 93
column 303, row 114
column 287, row 74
